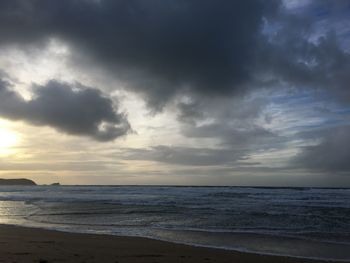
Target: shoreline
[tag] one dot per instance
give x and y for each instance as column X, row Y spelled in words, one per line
column 25, row 244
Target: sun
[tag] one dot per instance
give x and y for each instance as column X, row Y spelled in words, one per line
column 8, row 139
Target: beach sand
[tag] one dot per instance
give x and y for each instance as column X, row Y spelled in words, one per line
column 19, row 244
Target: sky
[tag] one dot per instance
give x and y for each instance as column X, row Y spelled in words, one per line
column 185, row 92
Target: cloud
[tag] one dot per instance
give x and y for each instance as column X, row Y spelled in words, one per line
column 225, row 133
column 303, row 53
column 249, row 136
column 331, row 155
column 75, row 110
column 233, row 122
column 213, row 53
column 158, row 47
column 161, row 48
column 185, row 155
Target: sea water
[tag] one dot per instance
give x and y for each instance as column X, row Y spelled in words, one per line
column 299, row 222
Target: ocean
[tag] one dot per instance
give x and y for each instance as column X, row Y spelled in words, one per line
column 299, row 222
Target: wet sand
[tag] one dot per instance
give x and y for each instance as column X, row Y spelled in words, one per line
column 19, row 244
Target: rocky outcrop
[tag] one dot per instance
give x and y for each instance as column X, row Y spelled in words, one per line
column 16, row 182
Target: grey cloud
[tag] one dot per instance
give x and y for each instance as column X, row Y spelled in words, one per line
column 161, row 48
column 73, row 110
column 207, row 49
column 232, row 121
column 239, row 108
column 239, row 137
column 302, row 54
column 157, row 47
column 185, row 155
column 331, row 155
column 232, row 129
column 190, row 112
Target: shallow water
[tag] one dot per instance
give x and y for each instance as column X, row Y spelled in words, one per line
column 306, row 222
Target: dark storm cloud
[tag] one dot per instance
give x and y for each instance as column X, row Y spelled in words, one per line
column 74, row 110
column 201, row 47
column 157, row 47
column 331, row 155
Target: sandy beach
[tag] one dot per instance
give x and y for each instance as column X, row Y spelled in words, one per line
column 19, row 244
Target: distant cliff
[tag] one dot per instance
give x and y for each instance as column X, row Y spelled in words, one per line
column 16, row 182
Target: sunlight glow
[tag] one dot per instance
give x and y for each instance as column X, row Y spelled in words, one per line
column 8, row 139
